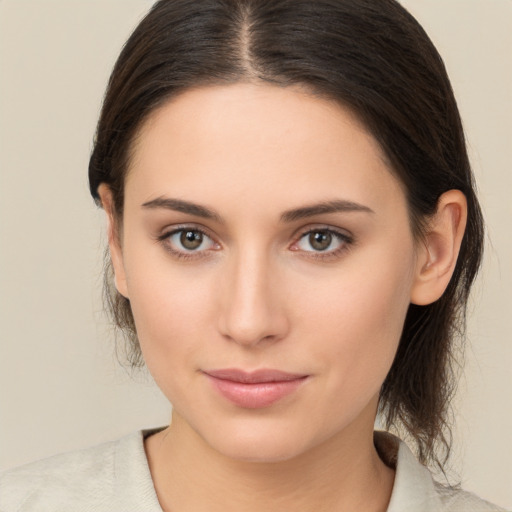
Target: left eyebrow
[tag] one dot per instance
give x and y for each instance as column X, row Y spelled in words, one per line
column 334, row 206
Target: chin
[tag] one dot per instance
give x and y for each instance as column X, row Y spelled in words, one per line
column 263, row 442
column 262, row 451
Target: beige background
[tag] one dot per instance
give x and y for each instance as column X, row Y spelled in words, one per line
column 60, row 386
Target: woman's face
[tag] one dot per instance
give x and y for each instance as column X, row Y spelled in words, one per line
column 265, row 239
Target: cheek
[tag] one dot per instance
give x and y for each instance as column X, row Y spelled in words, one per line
column 170, row 319
column 358, row 318
column 172, row 308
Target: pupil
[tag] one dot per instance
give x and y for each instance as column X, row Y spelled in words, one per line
column 320, row 241
column 191, row 239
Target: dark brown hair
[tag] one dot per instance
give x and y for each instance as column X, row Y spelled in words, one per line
column 369, row 55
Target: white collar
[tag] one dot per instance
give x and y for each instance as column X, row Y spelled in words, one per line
column 414, row 489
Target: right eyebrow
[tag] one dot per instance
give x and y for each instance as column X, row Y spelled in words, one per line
column 179, row 205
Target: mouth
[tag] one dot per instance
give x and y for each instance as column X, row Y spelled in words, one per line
column 254, row 390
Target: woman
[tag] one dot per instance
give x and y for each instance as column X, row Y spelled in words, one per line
column 294, row 233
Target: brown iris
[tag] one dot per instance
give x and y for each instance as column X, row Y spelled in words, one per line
column 320, row 240
column 191, row 239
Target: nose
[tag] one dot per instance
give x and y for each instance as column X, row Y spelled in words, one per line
column 252, row 311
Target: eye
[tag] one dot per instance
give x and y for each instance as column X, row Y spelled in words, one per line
column 323, row 241
column 187, row 242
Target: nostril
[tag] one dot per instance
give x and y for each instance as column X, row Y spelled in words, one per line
column 251, row 327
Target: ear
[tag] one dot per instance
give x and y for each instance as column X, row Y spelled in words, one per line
column 438, row 251
column 114, row 239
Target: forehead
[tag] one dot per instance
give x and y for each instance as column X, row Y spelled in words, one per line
column 250, row 143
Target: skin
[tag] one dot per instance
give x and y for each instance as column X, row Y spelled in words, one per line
column 258, row 293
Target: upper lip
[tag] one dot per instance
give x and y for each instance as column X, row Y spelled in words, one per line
column 253, row 377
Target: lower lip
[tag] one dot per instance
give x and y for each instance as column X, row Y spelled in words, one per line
column 256, row 395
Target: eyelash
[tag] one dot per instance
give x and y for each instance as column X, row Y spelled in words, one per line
column 345, row 240
column 183, row 255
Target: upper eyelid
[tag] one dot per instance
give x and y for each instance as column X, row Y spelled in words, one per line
column 170, row 230
column 331, row 229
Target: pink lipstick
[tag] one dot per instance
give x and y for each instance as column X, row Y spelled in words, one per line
column 254, row 390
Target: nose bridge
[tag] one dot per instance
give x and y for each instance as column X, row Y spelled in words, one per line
column 251, row 311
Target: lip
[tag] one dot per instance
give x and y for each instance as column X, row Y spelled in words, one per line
column 256, row 389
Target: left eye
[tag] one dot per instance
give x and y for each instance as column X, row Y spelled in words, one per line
column 321, row 240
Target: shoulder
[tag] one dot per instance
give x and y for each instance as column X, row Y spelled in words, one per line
column 59, row 479
column 415, row 488
column 106, row 477
column 458, row 500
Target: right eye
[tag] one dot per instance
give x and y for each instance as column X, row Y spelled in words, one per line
column 187, row 242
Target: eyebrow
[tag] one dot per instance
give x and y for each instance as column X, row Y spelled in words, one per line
column 179, row 205
column 333, row 206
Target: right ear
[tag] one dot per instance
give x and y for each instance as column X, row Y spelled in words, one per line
column 114, row 239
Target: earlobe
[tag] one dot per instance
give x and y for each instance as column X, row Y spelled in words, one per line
column 114, row 239
column 438, row 251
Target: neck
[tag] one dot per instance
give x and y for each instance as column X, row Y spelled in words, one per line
column 190, row 475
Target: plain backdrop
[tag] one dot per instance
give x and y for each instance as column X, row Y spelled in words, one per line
column 60, row 385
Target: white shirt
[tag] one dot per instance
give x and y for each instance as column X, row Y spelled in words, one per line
column 115, row 477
